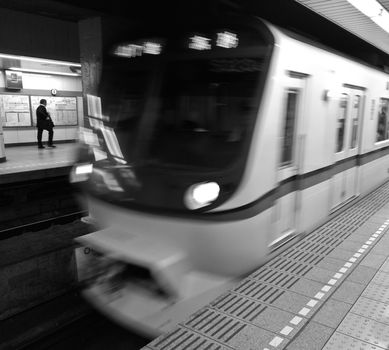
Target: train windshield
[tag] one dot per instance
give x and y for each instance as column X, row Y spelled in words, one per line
column 187, row 101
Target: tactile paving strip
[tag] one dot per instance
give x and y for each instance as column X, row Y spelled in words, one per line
column 302, row 256
column 367, row 330
column 381, row 278
column 344, row 342
column 217, row 325
column 377, row 292
column 315, row 247
column 263, row 292
column 233, row 317
column 292, row 266
column 182, row 338
column 284, row 277
column 242, row 308
column 372, row 309
column 385, row 267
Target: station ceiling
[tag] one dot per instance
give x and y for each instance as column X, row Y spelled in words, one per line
column 347, row 16
column 340, row 12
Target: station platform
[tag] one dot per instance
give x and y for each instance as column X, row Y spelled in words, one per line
column 28, row 162
column 330, row 290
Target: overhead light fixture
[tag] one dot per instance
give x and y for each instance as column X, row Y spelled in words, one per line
column 198, row 42
column 39, row 71
column 227, row 40
column 382, row 20
column 40, row 60
column 373, row 10
column 135, row 50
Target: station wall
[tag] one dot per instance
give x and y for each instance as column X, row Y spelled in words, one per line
column 41, row 85
column 33, row 35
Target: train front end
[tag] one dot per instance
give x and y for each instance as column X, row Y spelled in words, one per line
column 167, row 146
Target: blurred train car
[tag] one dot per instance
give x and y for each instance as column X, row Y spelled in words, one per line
column 214, row 145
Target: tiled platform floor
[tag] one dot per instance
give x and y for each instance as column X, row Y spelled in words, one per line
column 356, row 315
column 28, row 158
column 330, row 291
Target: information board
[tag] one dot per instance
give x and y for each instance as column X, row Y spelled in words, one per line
column 63, row 110
column 15, row 110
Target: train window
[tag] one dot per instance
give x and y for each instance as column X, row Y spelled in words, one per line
column 342, row 114
column 188, row 99
column 355, row 118
column 289, row 129
column 205, row 104
column 383, row 120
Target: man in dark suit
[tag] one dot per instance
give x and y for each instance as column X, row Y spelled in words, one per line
column 44, row 122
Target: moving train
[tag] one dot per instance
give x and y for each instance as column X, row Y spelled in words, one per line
column 208, row 148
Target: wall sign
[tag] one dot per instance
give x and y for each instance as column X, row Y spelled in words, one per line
column 13, row 80
column 63, row 110
column 15, row 110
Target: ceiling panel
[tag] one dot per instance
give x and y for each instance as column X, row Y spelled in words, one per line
column 56, row 9
column 339, row 12
column 347, row 16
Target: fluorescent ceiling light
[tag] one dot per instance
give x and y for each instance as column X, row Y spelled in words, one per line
column 382, row 21
column 373, row 10
column 40, row 60
column 28, row 70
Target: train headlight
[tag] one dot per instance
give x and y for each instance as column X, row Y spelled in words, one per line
column 201, row 194
column 81, row 172
column 83, row 169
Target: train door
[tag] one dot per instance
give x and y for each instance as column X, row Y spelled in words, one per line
column 286, row 205
column 349, row 117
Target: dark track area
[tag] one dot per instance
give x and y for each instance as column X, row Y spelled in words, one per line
column 33, row 205
column 65, row 322
column 41, row 307
column 90, row 332
column 41, row 225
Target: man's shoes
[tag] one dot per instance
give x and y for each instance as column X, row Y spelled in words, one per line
column 41, row 147
column 51, row 146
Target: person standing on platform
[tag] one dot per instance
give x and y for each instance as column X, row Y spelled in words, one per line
column 44, row 122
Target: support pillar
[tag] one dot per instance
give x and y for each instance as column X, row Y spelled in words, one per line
column 2, row 147
column 90, row 33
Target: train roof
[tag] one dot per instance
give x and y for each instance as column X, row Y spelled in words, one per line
column 366, row 61
column 294, row 20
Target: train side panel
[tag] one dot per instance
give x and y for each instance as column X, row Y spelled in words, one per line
column 224, row 247
column 317, row 126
